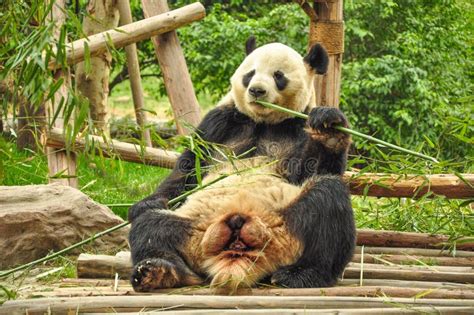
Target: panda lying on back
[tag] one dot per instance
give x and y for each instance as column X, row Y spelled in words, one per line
column 288, row 221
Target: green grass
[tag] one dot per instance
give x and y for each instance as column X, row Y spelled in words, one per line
column 106, row 181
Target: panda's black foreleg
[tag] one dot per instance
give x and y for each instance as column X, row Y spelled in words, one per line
column 327, row 144
column 322, row 219
column 156, row 238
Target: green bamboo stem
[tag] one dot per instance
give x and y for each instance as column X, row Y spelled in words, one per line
column 352, row 132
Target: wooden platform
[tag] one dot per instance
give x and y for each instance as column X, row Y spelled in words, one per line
column 379, row 280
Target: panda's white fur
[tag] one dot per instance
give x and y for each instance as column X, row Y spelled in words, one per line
column 298, row 95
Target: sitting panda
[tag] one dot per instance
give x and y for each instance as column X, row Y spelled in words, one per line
column 282, row 214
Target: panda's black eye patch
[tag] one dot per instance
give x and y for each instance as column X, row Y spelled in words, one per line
column 247, row 78
column 280, row 80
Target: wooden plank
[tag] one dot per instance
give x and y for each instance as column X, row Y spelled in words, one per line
column 137, row 303
column 61, row 164
column 179, row 86
column 411, row 186
column 134, row 74
column 126, row 151
column 132, row 33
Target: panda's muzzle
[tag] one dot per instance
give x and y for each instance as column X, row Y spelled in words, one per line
column 235, row 243
column 257, row 92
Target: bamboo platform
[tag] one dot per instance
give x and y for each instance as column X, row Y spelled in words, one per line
column 388, row 280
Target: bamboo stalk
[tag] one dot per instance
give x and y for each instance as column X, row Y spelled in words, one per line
column 351, row 132
column 406, row 259
column 90, row 304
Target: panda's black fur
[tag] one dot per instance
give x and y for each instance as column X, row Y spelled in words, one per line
column 312, row 156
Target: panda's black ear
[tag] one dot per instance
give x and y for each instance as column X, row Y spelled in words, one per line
column 317, row 59
column 250, row 45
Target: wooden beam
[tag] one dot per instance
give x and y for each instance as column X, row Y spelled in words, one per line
column 61, row 163
column 414, row 251
column 411, row 186
column 132, row 33
column 328, row 30
column 412, row 259
column 179, row 86
column 126, row 151
column 134, row 74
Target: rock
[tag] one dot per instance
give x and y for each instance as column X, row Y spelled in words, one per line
column 38, row 219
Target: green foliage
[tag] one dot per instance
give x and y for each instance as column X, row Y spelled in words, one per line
column 408, row 67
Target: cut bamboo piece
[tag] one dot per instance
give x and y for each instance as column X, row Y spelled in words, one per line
column 138, row 303
column 179, row 86
column 131, row 33
column 125, row 151
column 414, row 251
column 411, row 186
column 134, row 74
column 353, row 291
column 409, row 259
column 406, row 239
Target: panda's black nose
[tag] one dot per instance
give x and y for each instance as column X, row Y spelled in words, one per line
column 236, row 222
column 257, row 92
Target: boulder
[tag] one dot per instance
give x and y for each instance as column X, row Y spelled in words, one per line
column 38, row 219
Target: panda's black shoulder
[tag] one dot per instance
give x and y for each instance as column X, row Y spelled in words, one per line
column 224, row 122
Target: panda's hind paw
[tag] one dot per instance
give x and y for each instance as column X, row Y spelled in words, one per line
column 156, row 273
column 299, row 277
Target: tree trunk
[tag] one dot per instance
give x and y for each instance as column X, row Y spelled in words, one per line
column 93, row 82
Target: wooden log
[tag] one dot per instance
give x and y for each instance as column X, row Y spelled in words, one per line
column 328, row 29
column 411, row 186
column 414, row 251
column 179, row 86
column 132, row 33
column 406, row 239
column 408, row 259
column 134, row 74
column 61, row 164
column 102, row 266
column 125, row 151
column 92, row 78
column 125, row 284
column 137, row 303
column 354, row 291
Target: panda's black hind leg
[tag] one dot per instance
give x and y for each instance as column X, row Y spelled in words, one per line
column 155, row 240
column 322, row 219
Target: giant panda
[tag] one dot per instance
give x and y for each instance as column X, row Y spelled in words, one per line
column 281, row 214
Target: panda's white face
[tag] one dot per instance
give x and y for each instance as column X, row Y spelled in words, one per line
column 277, row 74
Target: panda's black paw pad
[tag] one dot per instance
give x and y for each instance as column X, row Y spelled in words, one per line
column 150, row 274
column 324, row 119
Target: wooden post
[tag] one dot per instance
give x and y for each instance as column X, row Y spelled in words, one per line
column 61, row 164
column 175, row 71
column 134, row 73
column 93, row 83
column 328, row 30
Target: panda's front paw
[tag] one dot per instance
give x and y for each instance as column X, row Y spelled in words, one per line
column 299, row 277
column 322, row 122
column 144, row 205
